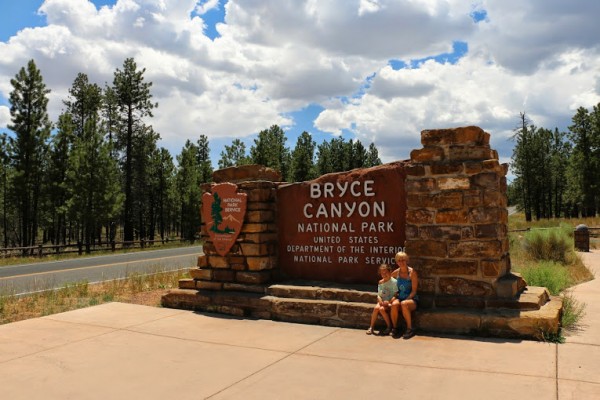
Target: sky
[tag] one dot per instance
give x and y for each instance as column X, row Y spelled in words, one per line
column 379, row 71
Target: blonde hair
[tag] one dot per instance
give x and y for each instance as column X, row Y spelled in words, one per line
column 401, row 256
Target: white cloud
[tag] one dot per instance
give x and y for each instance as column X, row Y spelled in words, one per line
column 207, row 6
column 4, row 116
column 472, row 92
column 278, row 56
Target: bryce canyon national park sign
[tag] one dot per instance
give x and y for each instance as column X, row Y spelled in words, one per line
column 223, row 210
column 341, row 227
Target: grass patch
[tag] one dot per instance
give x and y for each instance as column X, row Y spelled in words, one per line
column 573, row 312
column 552, row 275
column 139, row 289
column 545, row 256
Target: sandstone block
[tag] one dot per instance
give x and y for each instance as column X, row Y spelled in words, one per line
column 420, row 185
column 485, row 215
column 487, row 180
column 427, row 285
column 493, row 268
column 456, row 267
column 419, row 216
column 472, row 135
column 464, row 287
column 259, row 237
column 355, row 314
column 472, row 198
column 187, row 284
column 429, row 247
column 201, row 274
column 209, row 285
column 490, row 231
column 187, row 299
column 218, row 262
column 467, row 232
column 462, row 153
column 253, row 172
column 256, row 228
column 453, row 183
column 427, row 154
column 475, row 249
column 259, row 216
column 202, row 261
column 434, row 137
column 256, row 249
column 412, row 232
column 223, row 275
column 254, row 277
column 438, row 232
column 447, row 169
column 260, row 205
column 209, row 248
column 473, row 167
column 452, row 217
column 460, row 302
column 449, row 322
column 300, row 307
column 242, row 287
column 261, row 263
column 261, row 195
column 492, row 165
column 415, row 170
column 437, row 200
column 494, row 198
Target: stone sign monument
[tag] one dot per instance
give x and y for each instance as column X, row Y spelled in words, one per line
column 309, row 251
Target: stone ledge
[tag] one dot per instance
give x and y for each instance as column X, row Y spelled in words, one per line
column 500, row 322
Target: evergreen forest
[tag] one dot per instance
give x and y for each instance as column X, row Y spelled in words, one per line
column 97, row 174
column 557, row 174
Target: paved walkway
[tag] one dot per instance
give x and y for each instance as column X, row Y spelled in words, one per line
column 122, row 351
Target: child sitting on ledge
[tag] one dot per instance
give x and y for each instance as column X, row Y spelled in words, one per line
column 386, row 291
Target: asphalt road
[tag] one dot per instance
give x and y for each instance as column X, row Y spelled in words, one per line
column 25, row 278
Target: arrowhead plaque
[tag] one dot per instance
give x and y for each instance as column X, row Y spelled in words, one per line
column 223, row 211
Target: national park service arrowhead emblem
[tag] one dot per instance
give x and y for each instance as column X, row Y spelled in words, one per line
column 223, row 211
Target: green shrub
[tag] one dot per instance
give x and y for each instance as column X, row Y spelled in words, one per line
column 573, row 311
column 552, row 275
column 554, row 244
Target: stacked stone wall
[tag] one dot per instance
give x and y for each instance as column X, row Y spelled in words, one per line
column 252, row 260
column 456, row 222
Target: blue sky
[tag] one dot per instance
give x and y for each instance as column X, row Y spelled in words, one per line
column 377, row 70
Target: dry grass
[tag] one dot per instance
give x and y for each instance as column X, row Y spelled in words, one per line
column 136, row 289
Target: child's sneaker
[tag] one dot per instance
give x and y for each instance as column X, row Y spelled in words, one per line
column 369, row 331
column 386, row 331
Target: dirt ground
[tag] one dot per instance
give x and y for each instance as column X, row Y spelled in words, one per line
column 149, row 298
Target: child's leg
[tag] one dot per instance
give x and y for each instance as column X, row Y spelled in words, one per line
column 386, row 318
column 374, row 316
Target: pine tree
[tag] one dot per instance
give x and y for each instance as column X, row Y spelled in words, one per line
column 584, row 165
column 234, row 155
column 133, row 99
column 303, row 159
column 269, row 150
column 30, row 122
column 203, row 159
column 372, row 156
column 188, row 186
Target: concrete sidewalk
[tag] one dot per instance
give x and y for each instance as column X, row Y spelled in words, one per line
column 120, row 351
